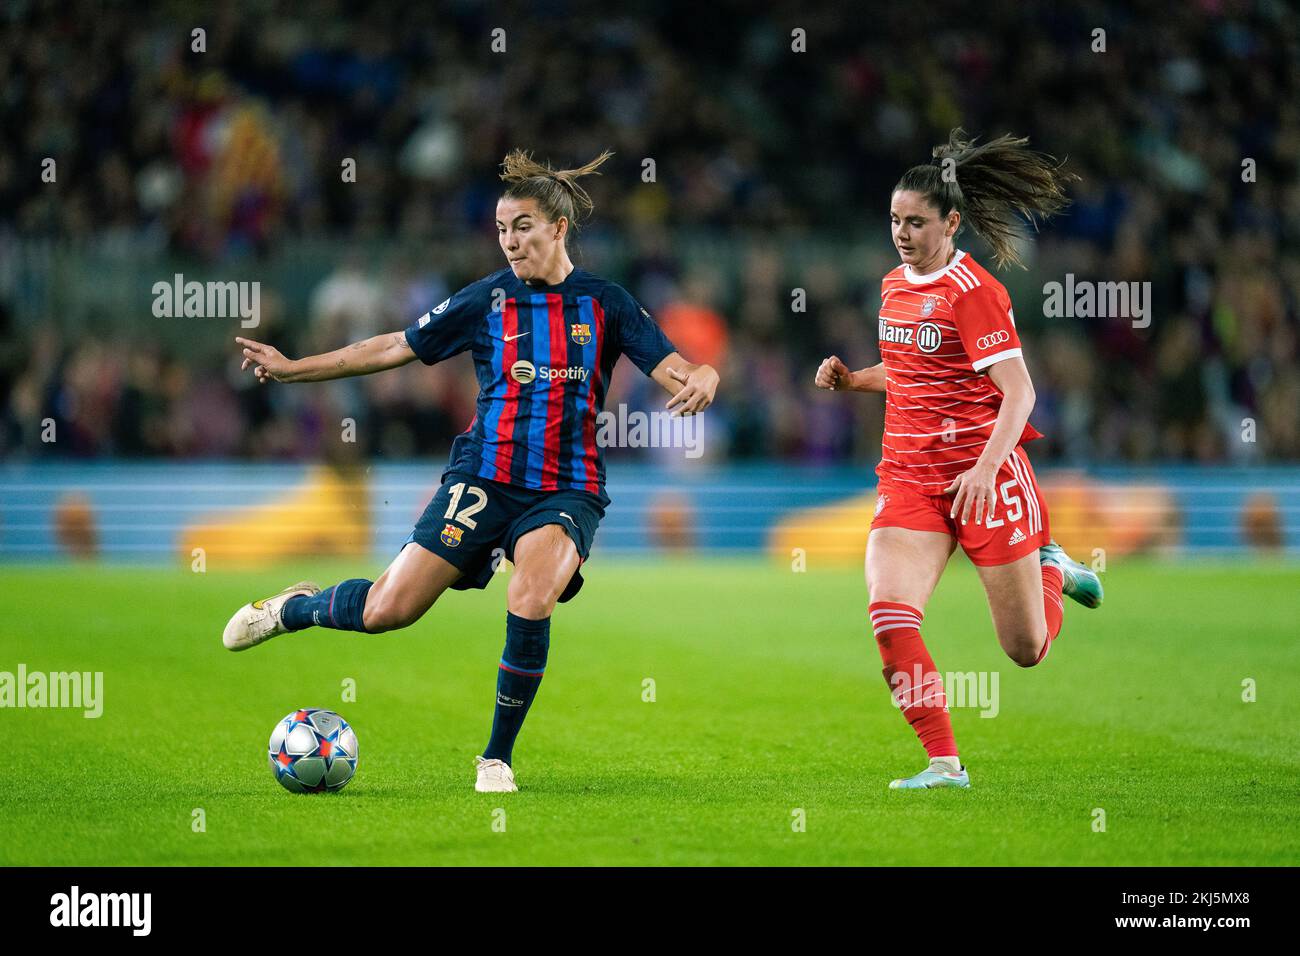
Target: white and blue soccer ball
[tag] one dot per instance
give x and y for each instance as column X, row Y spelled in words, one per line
column 313, row 750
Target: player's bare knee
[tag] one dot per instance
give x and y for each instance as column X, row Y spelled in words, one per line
column 1024, row 650
column 532, row 605
column 890, row 595
column 532, row 612
column 532, row 598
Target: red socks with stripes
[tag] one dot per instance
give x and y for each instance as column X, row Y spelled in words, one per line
column 1052, row 609
column 913, row 681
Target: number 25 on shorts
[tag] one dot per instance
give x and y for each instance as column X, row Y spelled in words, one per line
column 1011, row 501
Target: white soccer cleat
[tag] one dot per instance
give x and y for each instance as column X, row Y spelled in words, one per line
column 494, row 776
column 260, row 621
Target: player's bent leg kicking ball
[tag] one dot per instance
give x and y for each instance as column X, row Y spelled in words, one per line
column 957, row 402
column 526, row 479
column 546, row 535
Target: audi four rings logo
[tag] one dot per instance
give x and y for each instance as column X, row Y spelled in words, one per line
column 992, row 339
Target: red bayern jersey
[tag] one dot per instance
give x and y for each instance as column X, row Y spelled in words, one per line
column 939, row 333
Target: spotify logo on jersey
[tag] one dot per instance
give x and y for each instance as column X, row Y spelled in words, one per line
column 524, row 372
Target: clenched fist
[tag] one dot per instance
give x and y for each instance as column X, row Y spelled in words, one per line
column 834, row 375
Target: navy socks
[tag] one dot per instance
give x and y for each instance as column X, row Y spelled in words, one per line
column 339, row 607
column 518, row 677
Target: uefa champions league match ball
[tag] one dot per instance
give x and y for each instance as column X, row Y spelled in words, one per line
column 313, row 750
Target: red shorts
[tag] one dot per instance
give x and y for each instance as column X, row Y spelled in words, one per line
column 1017, row 527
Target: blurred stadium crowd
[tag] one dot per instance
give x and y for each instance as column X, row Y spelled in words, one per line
column 231, row 155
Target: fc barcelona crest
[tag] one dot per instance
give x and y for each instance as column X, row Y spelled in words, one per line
column 580, row 332
column 451, row 535
column 927, row 307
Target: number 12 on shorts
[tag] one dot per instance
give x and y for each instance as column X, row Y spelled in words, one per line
column 465, row 516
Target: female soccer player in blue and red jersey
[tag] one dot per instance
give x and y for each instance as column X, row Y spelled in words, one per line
column 527, row 479
column 953, row 468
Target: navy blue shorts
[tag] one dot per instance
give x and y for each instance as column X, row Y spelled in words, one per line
column 473, row 522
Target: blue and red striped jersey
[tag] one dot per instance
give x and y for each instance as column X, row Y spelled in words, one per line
column 543, row 356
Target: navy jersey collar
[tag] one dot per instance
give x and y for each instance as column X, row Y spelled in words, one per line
column 574, row 274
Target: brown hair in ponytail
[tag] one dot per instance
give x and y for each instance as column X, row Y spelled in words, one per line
column 994, row 182
column 556, row 190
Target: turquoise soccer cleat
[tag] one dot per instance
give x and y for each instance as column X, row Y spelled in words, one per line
column 1081, row 582
column 932, row 778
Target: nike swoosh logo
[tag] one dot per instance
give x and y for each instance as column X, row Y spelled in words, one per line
column 511, row 338
column 565, row 514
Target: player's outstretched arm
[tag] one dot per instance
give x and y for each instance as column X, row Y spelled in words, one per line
column 692, row 386
column 375, row 354
column 835, row 375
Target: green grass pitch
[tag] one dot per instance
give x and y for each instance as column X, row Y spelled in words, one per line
column 768, row 700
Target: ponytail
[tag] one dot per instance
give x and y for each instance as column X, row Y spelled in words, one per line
column 994, row 185
column 556, row 190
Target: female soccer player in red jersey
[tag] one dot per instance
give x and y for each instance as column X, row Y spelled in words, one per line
column 526, row 480
column 953, row 469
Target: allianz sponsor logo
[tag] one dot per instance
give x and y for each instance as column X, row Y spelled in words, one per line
column 927, row 336
column 898, row 334
column 524, row 372
column 75, row 908
column 1084, row 299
